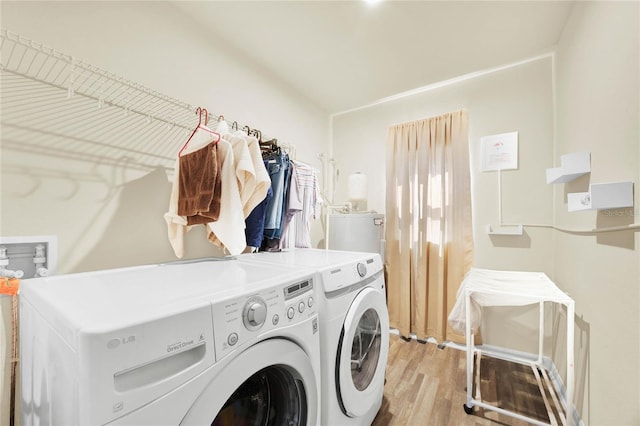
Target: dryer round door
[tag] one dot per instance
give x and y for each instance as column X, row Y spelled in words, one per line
column 270, row 383
column 362, row 353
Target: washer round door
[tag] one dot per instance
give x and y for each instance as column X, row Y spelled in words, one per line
column 362, row 353
column 270, row 383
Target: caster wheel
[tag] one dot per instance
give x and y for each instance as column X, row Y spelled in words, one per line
column 467, row 410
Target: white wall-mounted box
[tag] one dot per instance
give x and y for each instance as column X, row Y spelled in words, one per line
column 505, row 229
column 602, row 196
column 611, row 195
column 31, row 256
column 572, row 166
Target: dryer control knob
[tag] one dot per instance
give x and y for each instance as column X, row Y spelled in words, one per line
column 362, row 269
column 255, row 313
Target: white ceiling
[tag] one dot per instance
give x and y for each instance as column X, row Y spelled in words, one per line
column 345, row 54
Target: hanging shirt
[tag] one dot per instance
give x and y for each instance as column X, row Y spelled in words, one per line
column 302, row 202
column 263, row 181
column 244, row 170
column 253, row 179
column 228, row 230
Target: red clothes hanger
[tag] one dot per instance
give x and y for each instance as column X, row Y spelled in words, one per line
column 200, row 126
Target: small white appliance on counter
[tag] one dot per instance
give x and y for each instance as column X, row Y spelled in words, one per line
column 197, row 342
column 356, row 232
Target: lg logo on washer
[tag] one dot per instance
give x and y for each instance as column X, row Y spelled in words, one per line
column 114, row 343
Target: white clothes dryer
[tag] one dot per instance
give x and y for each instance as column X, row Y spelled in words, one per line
column 354, row 329
column 186, row 343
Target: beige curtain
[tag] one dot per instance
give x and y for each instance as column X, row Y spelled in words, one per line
column 429, row 235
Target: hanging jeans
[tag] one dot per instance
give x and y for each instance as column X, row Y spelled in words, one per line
column 254, row 223
column 279, row 170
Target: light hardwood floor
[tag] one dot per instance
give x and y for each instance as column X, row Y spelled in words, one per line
column 426, row 385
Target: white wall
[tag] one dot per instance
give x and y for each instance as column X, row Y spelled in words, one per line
column 598, row 111
column 120, row 222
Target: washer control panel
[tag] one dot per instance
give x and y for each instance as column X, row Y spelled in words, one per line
column 362, row 269
column 240, row 320
column 338, row 278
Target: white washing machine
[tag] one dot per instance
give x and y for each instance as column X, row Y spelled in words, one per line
column 354, row 329
column 217, row 342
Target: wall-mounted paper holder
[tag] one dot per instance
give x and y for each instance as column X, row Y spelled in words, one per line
column 505, row 229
